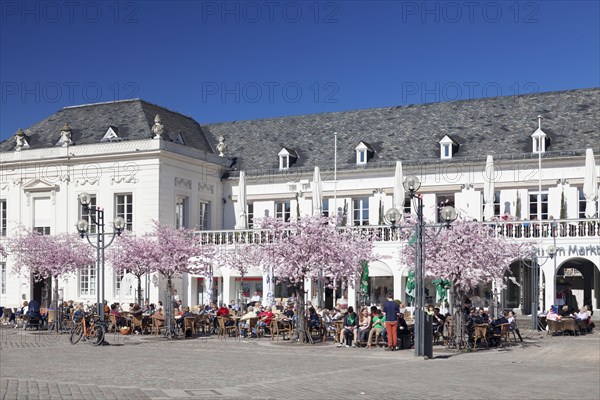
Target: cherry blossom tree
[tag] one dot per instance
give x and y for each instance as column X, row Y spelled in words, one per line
column 241, row 257
column 467, row 254
column 2, row 251
column 130, row 254
column 175, row 251
column 49, row 256
column 312, row 247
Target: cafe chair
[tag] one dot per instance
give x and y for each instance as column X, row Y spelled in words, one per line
column 481, row 334
column 226, row 330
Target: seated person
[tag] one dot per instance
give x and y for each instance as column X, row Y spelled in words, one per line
column 327, row 320
column 159, row 314
column 33, row 310
column 222, row 311
column 497, row 329
column 350, row 327
column 512, row 320
column 289, row 311
column 115, row 311
column 314, row 320
column 245, row 320
column 279, row 306
column 364, row 325
column 181, row 321
column 265, row 318
column 255, row 297
column 551, row 315
column 377, row 325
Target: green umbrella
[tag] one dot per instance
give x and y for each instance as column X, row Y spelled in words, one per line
column 441, row 289
column 364, row 281
column 410, row 286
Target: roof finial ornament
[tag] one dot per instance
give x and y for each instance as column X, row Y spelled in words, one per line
column 539, row 122
column 21, row 140
column 65, row 136
column 157, row 128
column 222, row 146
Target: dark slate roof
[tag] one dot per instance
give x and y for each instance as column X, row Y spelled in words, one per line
column 133, row 118
column 498, row 126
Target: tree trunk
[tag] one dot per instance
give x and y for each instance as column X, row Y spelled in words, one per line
column 139, row 290
column 169, row 321
column 57, row 307
column 459, row 339
column 302, row 332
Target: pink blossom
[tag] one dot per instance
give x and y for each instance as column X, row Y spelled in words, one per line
column 45, row 256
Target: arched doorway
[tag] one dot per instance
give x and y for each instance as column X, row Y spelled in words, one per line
column 577, row 283
column 522, row 293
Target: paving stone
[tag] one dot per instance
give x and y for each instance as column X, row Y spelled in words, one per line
column 159, row 369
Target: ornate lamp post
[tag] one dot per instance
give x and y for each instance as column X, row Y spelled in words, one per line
column 447, row 215
column 97, row 217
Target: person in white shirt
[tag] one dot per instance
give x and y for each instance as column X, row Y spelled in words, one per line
column 255, row 297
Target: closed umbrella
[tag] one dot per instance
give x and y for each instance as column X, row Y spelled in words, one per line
column 590, row 184
column 364, row 283
column 317, row 196
column 399, row 188
column 410, row 287
column 488, row 189
column 242, row 201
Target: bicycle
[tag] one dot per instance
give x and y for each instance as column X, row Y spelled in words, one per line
column 90, row 328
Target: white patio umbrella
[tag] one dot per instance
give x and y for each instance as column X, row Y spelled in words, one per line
column 208, row 285
column 270, row 296
column 242, row 201
column 399, row 192
column 590, row 184
column 488, row 188
column 317, row 196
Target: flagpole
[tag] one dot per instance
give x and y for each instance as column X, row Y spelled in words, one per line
column 335, row 177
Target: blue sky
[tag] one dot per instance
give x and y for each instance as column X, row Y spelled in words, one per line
column 223, row 61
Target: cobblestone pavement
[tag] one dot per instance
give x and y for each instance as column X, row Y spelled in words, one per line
column 45, row 366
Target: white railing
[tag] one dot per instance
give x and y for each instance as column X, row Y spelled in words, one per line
column 526, row 230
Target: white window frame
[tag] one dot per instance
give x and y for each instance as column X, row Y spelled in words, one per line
column 127, row 216
column 284, row 159
column 181, row 211
column 362, row 154
column 581, row 203
column 544, row 216
column 204, row 215
column 87, row 277
column 446, row 150
column 360, row 206
column 250, row 215
column 283, row 210
column 539, row 141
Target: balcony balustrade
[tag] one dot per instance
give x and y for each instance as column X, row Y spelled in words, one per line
column 516, row 230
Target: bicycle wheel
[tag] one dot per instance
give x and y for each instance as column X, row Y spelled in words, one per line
column 96, row 335
column 76, row 333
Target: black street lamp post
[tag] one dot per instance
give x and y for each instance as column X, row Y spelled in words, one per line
column 447, row 215
column 97, row 218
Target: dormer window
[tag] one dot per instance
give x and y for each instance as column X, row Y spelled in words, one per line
column 448, row 147
column 287, row 157
column 111, row 135
column 178, row 139
column 539, row 138
column 364, row 152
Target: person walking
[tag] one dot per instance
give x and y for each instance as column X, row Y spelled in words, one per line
column 391, row 310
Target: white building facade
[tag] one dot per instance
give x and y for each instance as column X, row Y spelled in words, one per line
column 178, row 172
